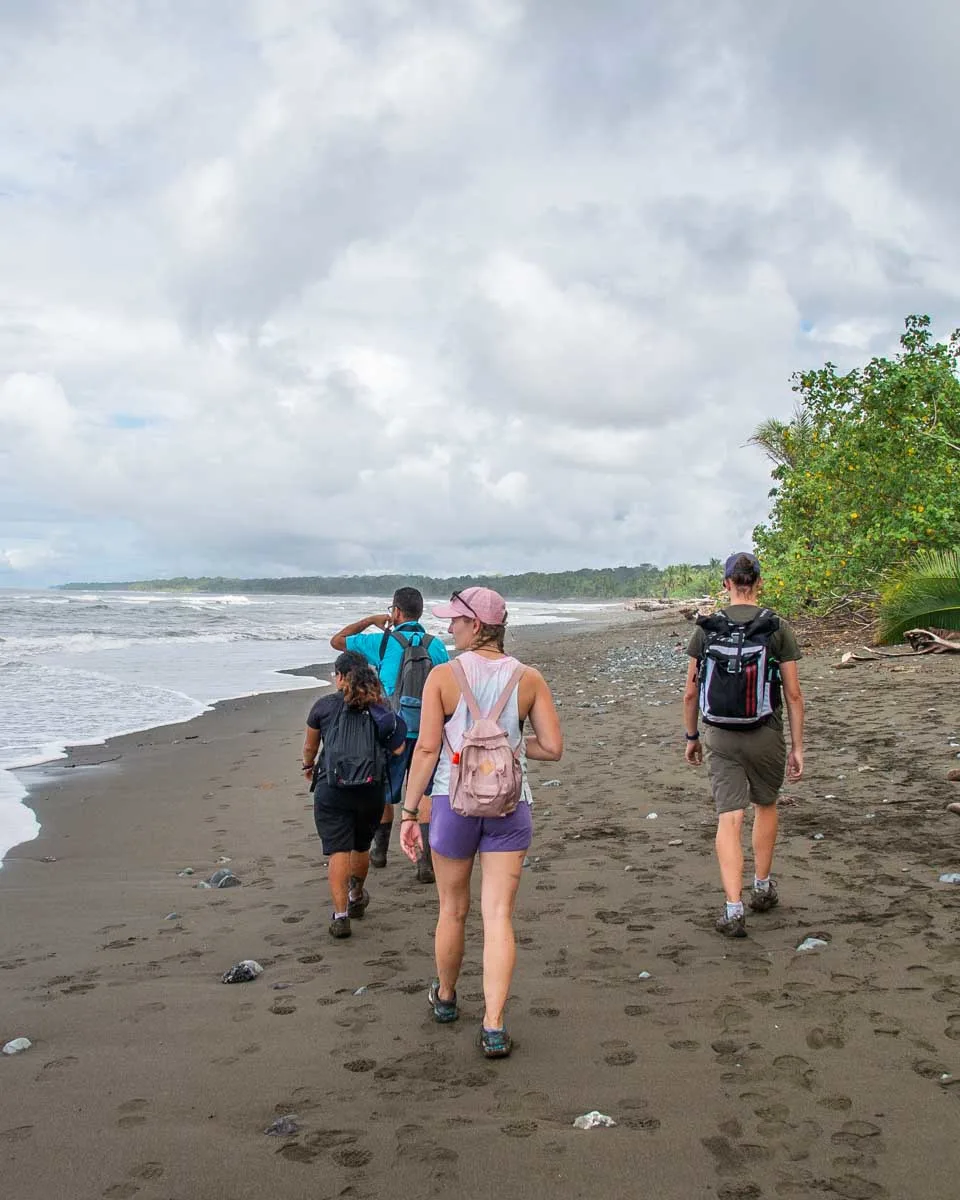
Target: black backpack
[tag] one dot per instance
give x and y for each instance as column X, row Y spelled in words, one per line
column 415, row 665
column 738, row 676
column 352, row 753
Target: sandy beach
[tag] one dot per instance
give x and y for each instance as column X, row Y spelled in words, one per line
column 737, row 1070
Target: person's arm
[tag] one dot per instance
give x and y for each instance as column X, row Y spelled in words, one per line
column 546, row 745
column 311, row 744
column 691, row 713
column 339, row 640
column 793, row 698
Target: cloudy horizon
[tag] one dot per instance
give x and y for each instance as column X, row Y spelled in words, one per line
column 490, row 285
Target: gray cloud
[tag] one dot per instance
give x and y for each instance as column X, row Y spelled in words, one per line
column 282, row 284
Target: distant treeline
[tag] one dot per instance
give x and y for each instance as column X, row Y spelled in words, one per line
column 608, row 583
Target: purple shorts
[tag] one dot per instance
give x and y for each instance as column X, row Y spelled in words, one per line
column 455, row 836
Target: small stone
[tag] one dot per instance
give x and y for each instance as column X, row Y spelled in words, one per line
column 174, row 916
column 812, row 943
column 550, row 783
column 223, row 878
column 631, row 868
column 360, row 990
column 242, row 972
column 186, row 871
column 203, row 884
column 48, row 858
column 954, row 776
column 17, row 1045
column 675, row 842
column 594, row 1120
column 526, row 861
column 644, row 975
column 950, row 877
column 283, row 1126
column 818, row 837
column 223, row 859
column 651, row 816
column 281, row 987
column 954, row 807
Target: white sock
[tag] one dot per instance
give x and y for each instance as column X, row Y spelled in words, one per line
column 734, row 909
column 761, row 885
column 337, row 916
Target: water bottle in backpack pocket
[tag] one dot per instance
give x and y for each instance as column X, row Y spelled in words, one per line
column 415, row 665
column 352, row 753
column 738, row 677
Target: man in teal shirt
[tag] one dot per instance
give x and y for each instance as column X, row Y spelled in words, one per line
column 385, row 653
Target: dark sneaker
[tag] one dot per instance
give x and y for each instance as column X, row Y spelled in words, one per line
column 378, row 847
column 356, row 908
column 764, row 900
column 425, row 869
column 495, row 1043
column 339, row 927
column 731, row 926
column 444, row 1011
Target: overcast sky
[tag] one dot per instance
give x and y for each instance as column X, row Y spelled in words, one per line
column 291, row 286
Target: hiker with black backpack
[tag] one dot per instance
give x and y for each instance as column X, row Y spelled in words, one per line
column 403, row 654
column 351, row 736
column 743, row 667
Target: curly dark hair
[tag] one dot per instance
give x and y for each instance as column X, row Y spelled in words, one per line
column 361, row 682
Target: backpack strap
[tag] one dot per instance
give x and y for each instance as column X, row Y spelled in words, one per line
column 385, row 641
column 460, row 676
column 497, row 711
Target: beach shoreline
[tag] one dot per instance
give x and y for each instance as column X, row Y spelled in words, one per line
column 732, row 1070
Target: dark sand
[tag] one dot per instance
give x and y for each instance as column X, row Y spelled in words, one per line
column 737, row 1069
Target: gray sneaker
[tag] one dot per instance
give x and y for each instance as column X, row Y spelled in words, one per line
column 734, row 927
column 339, row 927
column 763, row 901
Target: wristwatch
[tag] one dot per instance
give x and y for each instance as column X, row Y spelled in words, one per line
column 692, row 737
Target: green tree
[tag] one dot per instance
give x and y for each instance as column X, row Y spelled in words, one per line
column 866, row 474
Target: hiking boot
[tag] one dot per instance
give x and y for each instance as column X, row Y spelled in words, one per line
column 734, row 927
column 356, row 908
column 764, row 899
column 378, row 847
column 425, row 869
column 444, row 1011
column 339, row 927
column 495, row 1043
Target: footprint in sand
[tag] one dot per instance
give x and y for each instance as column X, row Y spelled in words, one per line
column 953, row 1027
column 18, row 1133
column 283, row 1008
column 544, row 1012
column 132, row 1113
column 620, row 1058
column 295, row 917
column 359, row 1065
column 147, row 1170
column 854, row 1187
column 120, row 1191
column 519, row 1129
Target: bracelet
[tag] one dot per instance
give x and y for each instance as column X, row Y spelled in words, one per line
column 413, row 813
column 307, row 766
column 409, row 819
column 692, row 737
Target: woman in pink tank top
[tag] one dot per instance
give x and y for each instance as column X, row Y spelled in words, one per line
column 478, row 618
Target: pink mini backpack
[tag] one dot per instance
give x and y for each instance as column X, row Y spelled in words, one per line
column 486, row 778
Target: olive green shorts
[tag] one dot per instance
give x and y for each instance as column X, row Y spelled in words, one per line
column 745, row 766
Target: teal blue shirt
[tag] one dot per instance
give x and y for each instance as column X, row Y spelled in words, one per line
column 368, row 644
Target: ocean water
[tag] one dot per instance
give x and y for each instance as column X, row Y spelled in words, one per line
column 79, row 667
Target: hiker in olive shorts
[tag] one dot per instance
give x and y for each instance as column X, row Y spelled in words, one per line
column 745, row 748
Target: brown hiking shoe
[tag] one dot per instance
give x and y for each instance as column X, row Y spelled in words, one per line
column 339, row 927
column 764, row 900
column 735, row 927
column 356, row 908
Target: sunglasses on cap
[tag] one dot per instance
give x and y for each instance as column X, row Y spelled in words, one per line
column 466, row 604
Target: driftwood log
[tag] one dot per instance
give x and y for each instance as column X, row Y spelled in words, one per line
column 922, row 641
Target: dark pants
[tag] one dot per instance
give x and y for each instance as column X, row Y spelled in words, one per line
column 347, row 818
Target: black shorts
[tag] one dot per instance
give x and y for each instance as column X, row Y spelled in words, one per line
column 347, row 818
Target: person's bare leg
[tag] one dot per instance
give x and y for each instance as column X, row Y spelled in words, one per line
column 498, row 895
column 359, row 869
column 765, row 823
column 730, row 853
column 453, row 885
column 338, row 876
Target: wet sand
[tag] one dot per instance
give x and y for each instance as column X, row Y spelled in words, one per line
column 733, row 1069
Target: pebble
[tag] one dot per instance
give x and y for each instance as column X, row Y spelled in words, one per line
column 242, row 972
column 223, row 878
column 812, row 943
column 550, row 783
column 951, row 877
column 644, row 975
column 651, row 816
column 818, row 837
column 675, row 842
column 186, row 871
column 360, row 990
column 17, row 1045
column 172, row 917
column 594, row 1120
column 283, row 1126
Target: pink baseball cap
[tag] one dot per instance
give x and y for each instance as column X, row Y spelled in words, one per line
column 478, row 603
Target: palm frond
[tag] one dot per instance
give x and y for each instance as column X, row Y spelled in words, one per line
column 925, row 594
